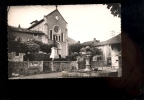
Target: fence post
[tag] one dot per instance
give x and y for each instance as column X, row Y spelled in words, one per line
column 41, row 66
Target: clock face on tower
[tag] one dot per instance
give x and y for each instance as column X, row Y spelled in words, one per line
column 56, row 29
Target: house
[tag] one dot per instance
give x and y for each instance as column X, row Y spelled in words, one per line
column 25, row 34
column 111, row 50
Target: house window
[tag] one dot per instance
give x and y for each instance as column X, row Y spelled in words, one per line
column 50, row 34
column 45, row 29
column 35, row 35
column 17, row 53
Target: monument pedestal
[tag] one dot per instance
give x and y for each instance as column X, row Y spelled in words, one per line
column 88, row 65
column 54, row 53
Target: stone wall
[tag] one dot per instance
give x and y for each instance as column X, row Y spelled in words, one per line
column 34, row 67
column 24, row 67
column 58, row 66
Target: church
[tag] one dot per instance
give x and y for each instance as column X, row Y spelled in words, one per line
column 54, row 27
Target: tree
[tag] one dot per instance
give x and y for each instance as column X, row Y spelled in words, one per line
column 14, row 43
column 94, row 50
column 75, row 47
column 30, row 47
column 115, row 8
column 44, row 47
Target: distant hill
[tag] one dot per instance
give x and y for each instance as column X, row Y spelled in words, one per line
column 71, row 41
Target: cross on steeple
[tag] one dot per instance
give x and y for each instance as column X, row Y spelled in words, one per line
column 56, row 6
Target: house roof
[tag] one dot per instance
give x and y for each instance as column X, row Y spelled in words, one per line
column 116, row 39
column 71, row 41
column 89, row 42
column 38, row 22
column 22, row 30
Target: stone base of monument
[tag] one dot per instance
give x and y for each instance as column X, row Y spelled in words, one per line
column 88, row 68
column 54, row 53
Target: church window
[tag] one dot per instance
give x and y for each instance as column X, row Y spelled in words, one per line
column 50, row 34
column 61, row 36
column 53, row 37
column 56, row 38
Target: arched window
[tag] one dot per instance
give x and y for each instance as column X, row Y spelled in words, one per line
column 56, row 38
column 61, row 36
column 50, row 34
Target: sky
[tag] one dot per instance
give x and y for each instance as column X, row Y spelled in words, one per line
column 85, row 22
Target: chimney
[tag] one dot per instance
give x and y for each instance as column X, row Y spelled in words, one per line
column 19, row 26
column 94, row 40
column 34, row 22
column 78, row 42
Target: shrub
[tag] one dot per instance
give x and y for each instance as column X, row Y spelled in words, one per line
column 37, row 57
column 42, row 57
column 71, row 58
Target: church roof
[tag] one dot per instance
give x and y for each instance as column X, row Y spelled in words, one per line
column 23, row 30
column 116, row 39
column 38, row 22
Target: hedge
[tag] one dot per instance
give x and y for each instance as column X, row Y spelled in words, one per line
column 41, row 57
column 37, row 57
column 71, row 58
